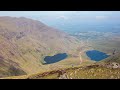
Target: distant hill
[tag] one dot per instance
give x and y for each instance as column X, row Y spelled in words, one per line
column 24, row 42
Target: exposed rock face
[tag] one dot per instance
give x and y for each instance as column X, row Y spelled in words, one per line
column 113, row 65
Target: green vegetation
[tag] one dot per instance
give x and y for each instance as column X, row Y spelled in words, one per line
column 24, row 46
column 25, row 42
column 85, row 72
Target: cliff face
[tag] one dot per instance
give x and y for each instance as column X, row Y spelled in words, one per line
column 23, row 43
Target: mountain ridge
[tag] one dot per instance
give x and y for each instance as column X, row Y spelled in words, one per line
column 25, row 42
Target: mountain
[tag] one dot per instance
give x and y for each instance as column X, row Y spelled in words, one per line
column 25, row 42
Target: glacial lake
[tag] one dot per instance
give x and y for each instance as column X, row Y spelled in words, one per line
column 55, row 58
column 96, row 55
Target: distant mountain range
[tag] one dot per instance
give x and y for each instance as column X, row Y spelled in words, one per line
column 24, row 42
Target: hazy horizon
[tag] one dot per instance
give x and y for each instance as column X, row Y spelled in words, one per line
column 71, row 20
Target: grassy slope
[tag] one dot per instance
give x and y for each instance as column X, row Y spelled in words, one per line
column 108, row 46
column 26, row 42
column 82, row 72
column 30, row 54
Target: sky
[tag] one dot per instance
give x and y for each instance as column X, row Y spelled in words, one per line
column 58, row 13
column 32, row 13
column 63, row 19
column 50, row 17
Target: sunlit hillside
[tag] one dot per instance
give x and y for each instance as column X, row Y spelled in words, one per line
column 59, row 45
column 25, row 42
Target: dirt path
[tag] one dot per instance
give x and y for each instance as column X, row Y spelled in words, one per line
column 84, row 46
column 80, row 57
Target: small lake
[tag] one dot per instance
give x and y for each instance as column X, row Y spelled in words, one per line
column 96, row 55
column 55, row 58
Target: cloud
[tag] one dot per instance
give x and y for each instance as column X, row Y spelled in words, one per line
column 62, row 17
column 100, row 17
